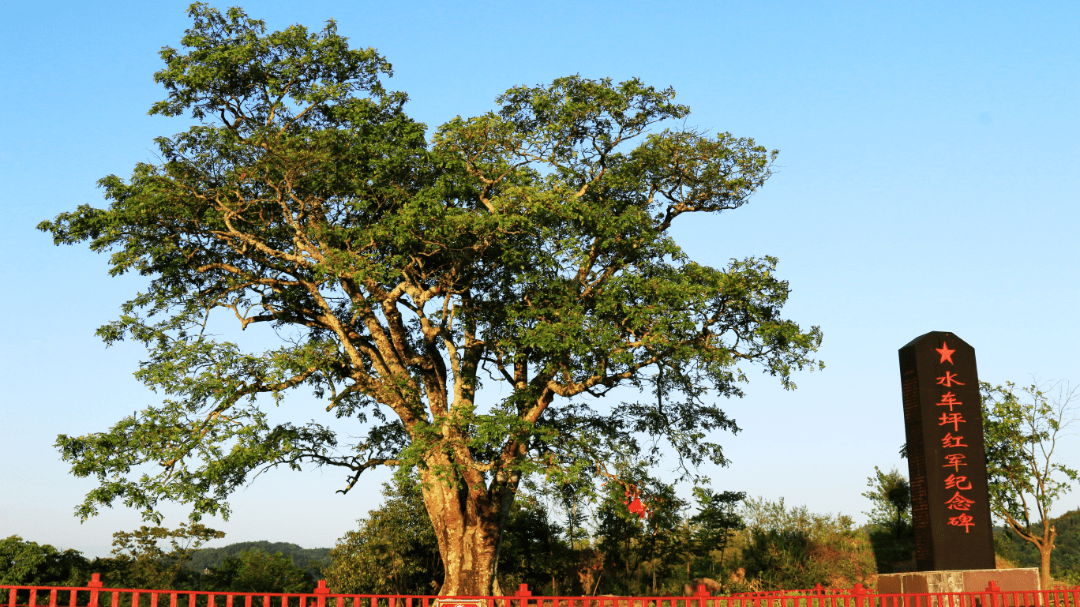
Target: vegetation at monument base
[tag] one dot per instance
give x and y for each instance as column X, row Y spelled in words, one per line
column 891, row 532
column 462, row 301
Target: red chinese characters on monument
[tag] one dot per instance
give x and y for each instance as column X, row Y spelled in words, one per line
column 949, row 379
column 954, row 441
column 951, row 418
column 964, row 520
column 949, row 441
column 954, row 461
column 949, row 400
column 959, row 482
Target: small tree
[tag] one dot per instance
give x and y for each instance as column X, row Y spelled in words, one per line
column 139, row 561
column 660, row 540
column 570, row 497
column 717, row 521
column 890, row 493
column 535, row 551
column 1022, row 428
column 618, row 533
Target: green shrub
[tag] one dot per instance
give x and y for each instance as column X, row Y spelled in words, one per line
column 25, row 563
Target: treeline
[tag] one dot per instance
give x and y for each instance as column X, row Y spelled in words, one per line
column 312, row 560
column 138, row 560
column 1065, row 560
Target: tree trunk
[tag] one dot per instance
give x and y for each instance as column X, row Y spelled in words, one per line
column 468, row 522
column 1044, row 568
column 1046, row 546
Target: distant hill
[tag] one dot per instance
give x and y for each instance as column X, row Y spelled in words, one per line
column 312, row 559
column 1064, row 560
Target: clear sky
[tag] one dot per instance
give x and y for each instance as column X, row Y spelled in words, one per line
column 927, row 181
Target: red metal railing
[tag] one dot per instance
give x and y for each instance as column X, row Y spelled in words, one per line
column 818, row 590
column 94, row 594
column 859, row 596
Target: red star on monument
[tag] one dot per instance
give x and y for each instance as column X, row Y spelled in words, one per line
column 945, row 352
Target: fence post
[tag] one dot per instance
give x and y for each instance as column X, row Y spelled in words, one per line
column 701, row 594
column 523, row 595
column 860, row 594
column 994, row 590
column 93, row 585
column 320, row 593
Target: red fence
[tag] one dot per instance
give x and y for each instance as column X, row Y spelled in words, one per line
column 991, row 596
column 95, row 595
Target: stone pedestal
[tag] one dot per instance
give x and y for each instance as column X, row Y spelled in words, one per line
column 972, row 580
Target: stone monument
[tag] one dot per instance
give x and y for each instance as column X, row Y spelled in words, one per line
column 950, row 507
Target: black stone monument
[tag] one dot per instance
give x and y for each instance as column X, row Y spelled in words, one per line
column 946, row 456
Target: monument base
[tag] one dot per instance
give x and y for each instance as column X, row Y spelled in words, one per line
column 973, row 580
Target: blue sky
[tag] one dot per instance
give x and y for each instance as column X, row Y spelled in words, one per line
column 927, row 180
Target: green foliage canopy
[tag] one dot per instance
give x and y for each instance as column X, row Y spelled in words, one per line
column 528, row 247
column 25, row 563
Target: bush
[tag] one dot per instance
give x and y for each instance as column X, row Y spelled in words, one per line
column 393, row 552
column 257, row 571
column 788, row 549
column 535, row 552
column 25, row 563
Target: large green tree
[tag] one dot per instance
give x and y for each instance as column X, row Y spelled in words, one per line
column 527, row 249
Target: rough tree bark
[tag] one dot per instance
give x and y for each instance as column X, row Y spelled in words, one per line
column 468, row 525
